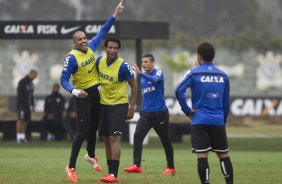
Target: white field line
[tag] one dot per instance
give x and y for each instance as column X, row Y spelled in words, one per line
column 255, row 135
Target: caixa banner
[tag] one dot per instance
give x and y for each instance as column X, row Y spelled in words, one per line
column 256, row 106
column 65, row 29
column 49, row 29
column 240, row 106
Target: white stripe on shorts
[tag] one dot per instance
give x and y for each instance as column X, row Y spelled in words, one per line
column 201, row 150
column 222, row 151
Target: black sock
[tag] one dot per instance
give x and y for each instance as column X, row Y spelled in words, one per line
column 71, row 166
column 109, row 163
column 91, row 155
column 115, row 166
column 227, row 169
column 170, row 165
column 203, row 170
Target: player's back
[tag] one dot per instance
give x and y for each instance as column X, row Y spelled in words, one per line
column 208, row 86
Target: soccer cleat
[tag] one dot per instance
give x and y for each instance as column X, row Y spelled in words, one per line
column 94, row 162
column 133, row 169
column 71, row 174
column 110, row 178
column 22, row 141
column 19, row 141
column 169, row 171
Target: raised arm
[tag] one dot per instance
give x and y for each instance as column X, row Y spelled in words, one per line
column 118, row 9
column 154, row 79
column 96, row 40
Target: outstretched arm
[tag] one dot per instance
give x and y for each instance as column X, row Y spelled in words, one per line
column 118, row 9
column 95, row 41
column 154, row 79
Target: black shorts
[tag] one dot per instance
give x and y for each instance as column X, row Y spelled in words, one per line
column 207, row 138
column 112, row 119
column 88, row 111
column 155, row 118
column 24, row 114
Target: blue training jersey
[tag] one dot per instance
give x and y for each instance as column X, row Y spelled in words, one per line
column 209, row 92
column 70, row 61
column 152, row 85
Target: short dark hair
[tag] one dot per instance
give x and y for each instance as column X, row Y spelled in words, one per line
column 149, row 56
column 56, row 84
column 112, row 39
column 206, row 51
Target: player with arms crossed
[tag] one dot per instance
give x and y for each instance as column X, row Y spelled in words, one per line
column 210, row 104
column 80, row 63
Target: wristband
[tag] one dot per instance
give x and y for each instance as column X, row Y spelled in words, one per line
column 75, row 92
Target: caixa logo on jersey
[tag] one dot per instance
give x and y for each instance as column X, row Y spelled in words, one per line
column 256, row 106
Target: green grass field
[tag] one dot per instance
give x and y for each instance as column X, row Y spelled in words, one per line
column 255, row 160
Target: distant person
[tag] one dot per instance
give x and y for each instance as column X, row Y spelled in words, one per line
column 210, row 104
column 154, row 114
column 115, row 74
column 69, row 121
column 80, row 63
column 25, row 102
column 53, row 114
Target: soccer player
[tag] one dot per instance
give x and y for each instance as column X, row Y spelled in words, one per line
column 80, row 63
column 154, row 114
column 114, row 74
column 210, row 103
column 54, row 107
column 25, row 102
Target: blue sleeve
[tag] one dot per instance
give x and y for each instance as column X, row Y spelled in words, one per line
column 226, row 100
column 70, row 67
column 94, row 43
column 98, row 61
column 155, row 78
column 125, row 72
column 180, row 91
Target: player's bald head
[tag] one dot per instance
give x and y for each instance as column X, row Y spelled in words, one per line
column 77, row 34
column 80, row 40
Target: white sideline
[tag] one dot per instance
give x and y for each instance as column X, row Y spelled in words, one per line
column 254, row 135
